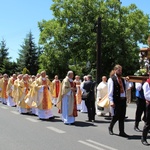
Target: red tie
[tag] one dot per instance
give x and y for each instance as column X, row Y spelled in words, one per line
column 121, row 85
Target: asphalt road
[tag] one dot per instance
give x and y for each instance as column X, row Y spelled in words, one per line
column 27, row 132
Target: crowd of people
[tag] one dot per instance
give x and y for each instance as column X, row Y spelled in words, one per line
column 36, row 94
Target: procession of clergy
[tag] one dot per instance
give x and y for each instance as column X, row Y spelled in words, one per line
column 37, row 95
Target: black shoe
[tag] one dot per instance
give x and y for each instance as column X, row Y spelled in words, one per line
column 89, row 120
column 144, row 142
column 51, row 118
column 69, row 123
column 110, row 131
column 43, row 119
column 24, row 113
column 72, row 123
column 124, row 134
column 137, row 129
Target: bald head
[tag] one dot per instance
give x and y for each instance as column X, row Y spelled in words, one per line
column 43, row 74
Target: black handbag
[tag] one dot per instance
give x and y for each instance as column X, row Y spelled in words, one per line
column 85, row 94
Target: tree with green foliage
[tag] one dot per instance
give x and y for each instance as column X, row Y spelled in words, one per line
column 8, row 67
column 69, row 41
column 5, row 63
column 25, row 71
column 28, row 55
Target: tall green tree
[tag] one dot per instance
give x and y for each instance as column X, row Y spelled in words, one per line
column 28, row 55
column 69, row 41
column 9, row 67
column 4, row 58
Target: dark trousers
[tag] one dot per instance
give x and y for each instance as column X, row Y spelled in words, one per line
column 119, row 115
column 147, row 122
column 91, row 109
column 140, row 109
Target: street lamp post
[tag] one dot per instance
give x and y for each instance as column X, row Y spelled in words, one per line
column 98, row 52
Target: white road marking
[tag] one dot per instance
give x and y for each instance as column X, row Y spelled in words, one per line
column 56, row 130
column 32, row 120
column 4, row 107
column 91, row 145
column 15, row 112
column 108, row 147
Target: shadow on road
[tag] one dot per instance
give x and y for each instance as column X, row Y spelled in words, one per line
column 53, row 119
column 136, row 137
column 129, row 120
column 83, row 124
column 126, row 120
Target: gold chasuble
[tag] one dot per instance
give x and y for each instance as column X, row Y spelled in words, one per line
column 10, row 88
column 65, row 88
column 31, row 97
column 3, row 86
column 44, row 98
column 16, row 91
column 23, row 89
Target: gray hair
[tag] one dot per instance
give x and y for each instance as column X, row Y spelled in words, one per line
column 85, row 77
column 69, row 72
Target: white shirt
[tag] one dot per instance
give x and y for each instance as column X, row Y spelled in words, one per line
column 138, row 86
column 81, row 86
column 111, row 89
column 146, row 90
column 129, row 85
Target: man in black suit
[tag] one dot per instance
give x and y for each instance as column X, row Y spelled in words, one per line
column 117, row 97
column 89, row 86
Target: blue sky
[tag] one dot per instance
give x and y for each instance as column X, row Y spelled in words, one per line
column 19, row 17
